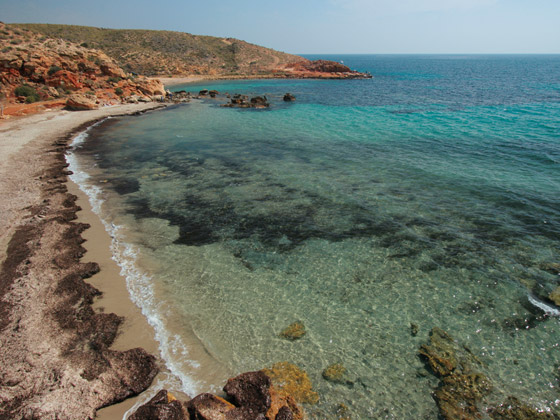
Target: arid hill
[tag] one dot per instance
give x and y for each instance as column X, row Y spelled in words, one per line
column 166, row 53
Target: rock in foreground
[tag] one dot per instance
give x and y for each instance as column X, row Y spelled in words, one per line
column 249, row 396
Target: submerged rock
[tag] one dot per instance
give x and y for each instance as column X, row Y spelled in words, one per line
column 555, row 296
column 290, row 380
column 462, row 388
column 336, row 373
column 294, row 331
column 440, row 352
column 513, row 409
column 342, row 412
column 413, row 329
column 459, row 394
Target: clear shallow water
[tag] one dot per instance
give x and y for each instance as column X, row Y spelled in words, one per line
column 427, row 195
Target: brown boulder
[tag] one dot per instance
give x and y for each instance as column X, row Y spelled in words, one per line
column 259, row 102
column 78, row 102
column 209, row 407
column 251, row 389
column 161, row 407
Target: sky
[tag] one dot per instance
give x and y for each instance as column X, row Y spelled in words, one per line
column 324, row 26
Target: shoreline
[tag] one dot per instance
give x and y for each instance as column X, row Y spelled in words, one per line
column 40, row 210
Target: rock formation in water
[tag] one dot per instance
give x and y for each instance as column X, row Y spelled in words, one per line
column 249, row 396
column 463, row 387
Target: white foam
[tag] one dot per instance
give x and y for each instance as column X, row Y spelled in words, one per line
column 172, row 349
column 548, row 309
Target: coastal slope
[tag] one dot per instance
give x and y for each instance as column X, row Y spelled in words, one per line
column 168, row 53
column 53, row 72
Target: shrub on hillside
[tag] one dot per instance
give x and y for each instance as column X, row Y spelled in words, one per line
column 119, row 91
column 28, row 92
column 53, row 70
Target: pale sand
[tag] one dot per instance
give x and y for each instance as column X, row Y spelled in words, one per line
column 174, row 81
column 21, row 141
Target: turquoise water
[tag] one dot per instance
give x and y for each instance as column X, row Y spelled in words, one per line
column 427, row 195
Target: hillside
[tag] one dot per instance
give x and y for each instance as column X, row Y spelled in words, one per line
column 164, row 53
column 36, row 68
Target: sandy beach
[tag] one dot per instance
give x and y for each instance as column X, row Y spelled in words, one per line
column 65, row 349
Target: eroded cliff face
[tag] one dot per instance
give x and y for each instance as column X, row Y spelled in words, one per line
column 36, row 68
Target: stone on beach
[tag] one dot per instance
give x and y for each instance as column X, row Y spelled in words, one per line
column 78, row 102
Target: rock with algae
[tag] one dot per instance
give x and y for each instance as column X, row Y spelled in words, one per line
column 513, row 409
column 555, row 296
column 289, row 379
column 294, row 331
column 343, row 412
column 336, row 373
column 462, row 387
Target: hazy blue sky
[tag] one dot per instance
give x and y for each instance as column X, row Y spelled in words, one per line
column 324, row 26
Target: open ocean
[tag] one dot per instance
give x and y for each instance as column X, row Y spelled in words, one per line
column 428, row 195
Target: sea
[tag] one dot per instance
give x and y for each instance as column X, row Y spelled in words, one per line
column 371, row 211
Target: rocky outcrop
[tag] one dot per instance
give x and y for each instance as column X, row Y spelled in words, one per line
column 463, row 386
column 243, row 101
column 40, row 69
column 249, row 396
column 322, row 69
column 163, row 406
column 288, row 97
column 78, row 102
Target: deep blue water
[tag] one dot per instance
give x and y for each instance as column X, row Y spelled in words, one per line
column 427, row 195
